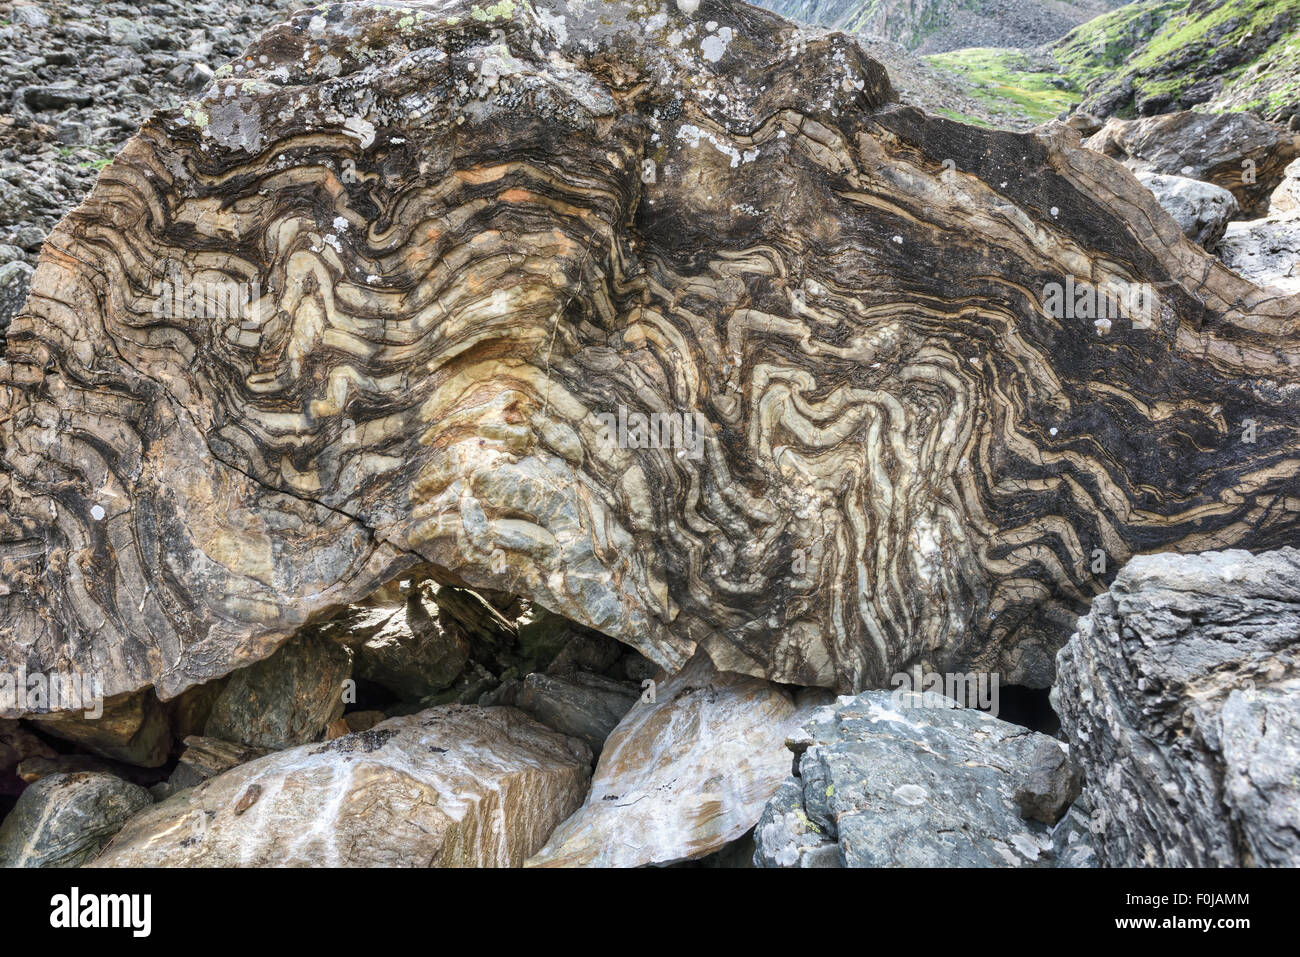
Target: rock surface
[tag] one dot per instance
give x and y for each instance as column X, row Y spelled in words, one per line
column 286, row 699
column 683, row 776
column 934, row 25
column 133, row 728
column 449, row 787
column 17, row 744
column 1201, row 210
column 404, row 647
column 1236, row 151
column 1267, row 250
column 78, row 78
column 63, row 820
column 1181, row 691
column 205, row 758
column 582, row 705
column 472, row 235
column 885, row 781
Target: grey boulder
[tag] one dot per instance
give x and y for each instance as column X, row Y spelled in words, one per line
column 65, row 819
column 1201, row 210
column 897, row 779
column 1181, row 694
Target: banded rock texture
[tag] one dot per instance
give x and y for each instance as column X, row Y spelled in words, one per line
column 467, row 232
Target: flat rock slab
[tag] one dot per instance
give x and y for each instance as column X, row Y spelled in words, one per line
column 1181, row 693
column 681, row 777
column 890, row 780
column 455, row 786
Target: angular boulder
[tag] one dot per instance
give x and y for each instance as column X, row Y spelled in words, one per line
column 1267, row 250
column 1181, row 694
column 580, row 704
column 907, row 780
column 682, row 776
column 454, row 786
column 286, row 699
column 405, row 646
column 1239, row 152
column 63, row 820
column 1201, row 210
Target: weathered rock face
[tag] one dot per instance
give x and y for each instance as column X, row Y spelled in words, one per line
column 14, row 280
column 1201, row 210
column 446, row 241
column 1181, row 691
column 63, row 820
column 1236, row 151
column 449, row 787
column 887, row 781
column 683, row 776
column 284, row 700
column 132, row 727
column 583, row 705
column 1267, row 250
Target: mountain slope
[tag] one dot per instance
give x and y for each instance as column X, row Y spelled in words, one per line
column 1157, row 56
column 935, row 26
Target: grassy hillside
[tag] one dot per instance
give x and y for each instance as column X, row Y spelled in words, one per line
column 1020, row 88
column 1155, row 56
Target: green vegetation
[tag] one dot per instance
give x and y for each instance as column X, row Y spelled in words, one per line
column 1163, row 48
column 1009, row 81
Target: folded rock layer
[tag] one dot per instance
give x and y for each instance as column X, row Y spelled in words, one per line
column 674, row 323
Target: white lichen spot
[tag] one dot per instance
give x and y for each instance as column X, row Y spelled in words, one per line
column 713, row 47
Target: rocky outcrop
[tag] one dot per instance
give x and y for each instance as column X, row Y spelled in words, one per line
column 897, row 779
column 469, row 255
column 1201, row 210
column 63, row 820
column 931, row 26
column 1158, row 56
column 683, row 775
column 1238, row 152
column 1181, row 693
column 449, row 787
